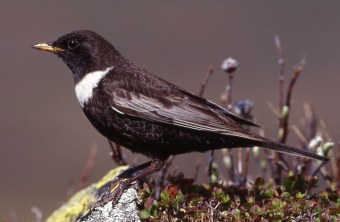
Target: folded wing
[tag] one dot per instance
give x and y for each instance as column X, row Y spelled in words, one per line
column 181, row 109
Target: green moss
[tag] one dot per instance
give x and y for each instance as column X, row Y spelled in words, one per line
column 80, row 203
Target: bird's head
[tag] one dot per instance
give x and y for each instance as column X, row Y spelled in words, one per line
column 82, row 51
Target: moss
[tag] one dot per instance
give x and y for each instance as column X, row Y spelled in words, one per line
column 80, row 203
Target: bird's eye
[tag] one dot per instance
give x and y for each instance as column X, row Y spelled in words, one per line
column 73, row 43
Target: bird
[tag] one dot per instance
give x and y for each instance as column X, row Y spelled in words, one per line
column 147, row 114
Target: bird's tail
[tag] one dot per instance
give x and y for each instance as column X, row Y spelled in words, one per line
column 283, row 148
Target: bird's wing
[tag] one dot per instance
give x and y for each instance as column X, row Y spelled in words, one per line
column 179, row 108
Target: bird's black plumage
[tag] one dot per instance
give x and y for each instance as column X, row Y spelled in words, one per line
column 147, row 114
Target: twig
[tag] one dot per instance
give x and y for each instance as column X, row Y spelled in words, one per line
column 229, row 66
column 239, row 161
column 317, row 170
column 284, row 120
column 270, row 154
column 70, row 188
column 281, row 63
column 13, row 217
column 300, row 135
column 244, row 109
column 228, row 89
column 325, row 130
column 286, row 112
column 197, row 165
column 304, row 166
column 203, row 86
column 311, row 121
column 326, row 177
column 285, row 117
column 338, row 165
column 37, row 213
column 246, row 164
column 334, row 162
column 273, row 109
column 206, row 80
column 161, row 176
column 310, row 134
column 116, row 153
column 210, row 165
column 87, row 168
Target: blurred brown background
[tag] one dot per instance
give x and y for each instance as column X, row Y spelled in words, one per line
column 45, row 138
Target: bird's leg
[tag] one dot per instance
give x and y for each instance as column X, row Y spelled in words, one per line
column 131, row 171
column 154, row 166
column 123, row 181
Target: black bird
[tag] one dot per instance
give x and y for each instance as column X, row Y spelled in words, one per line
column 145, row 113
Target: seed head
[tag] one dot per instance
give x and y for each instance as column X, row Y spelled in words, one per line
column 229, row 65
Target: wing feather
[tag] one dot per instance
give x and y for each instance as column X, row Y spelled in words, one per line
column 186, row 111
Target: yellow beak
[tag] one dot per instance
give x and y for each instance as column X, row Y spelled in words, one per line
column 47, row 47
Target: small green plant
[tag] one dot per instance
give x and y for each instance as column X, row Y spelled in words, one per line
column 260, row 201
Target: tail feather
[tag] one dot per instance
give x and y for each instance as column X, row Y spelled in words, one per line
column 283, row 148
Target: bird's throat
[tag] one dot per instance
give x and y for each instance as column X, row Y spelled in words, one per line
column 84, row 88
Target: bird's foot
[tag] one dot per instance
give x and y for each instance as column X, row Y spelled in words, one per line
column 117, row 188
